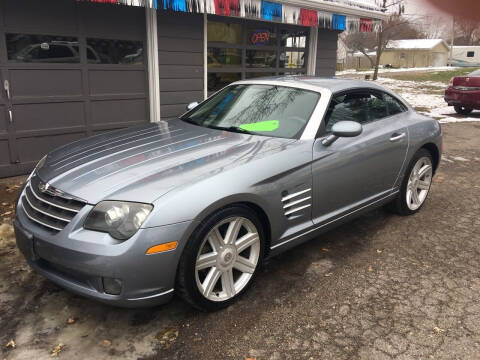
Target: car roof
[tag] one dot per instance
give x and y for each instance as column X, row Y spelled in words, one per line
column 333, row 84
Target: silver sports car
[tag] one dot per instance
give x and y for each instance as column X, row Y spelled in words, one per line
column 195, row 205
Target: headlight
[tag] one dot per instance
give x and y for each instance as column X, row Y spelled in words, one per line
column 118, row 218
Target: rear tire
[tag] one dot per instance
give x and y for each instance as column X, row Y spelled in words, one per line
column 462, row 110
column 415, row 185
column 221, row 259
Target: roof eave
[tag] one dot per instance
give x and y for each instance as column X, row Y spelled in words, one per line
column 337, row 8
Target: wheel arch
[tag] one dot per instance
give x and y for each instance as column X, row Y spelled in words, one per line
column 435, row 152
column 243, row 200
column 262, row 215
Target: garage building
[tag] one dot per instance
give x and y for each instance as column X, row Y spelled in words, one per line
column 415, row 53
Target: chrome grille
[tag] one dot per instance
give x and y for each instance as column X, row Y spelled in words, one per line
column 295, row 204
column 49, row 207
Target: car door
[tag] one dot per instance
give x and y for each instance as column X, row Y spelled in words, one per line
column 353, row 172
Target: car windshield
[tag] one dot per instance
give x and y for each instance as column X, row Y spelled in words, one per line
column 475, row 73
column 260, row 109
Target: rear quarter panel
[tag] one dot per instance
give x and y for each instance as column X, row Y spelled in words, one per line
column 422, row 130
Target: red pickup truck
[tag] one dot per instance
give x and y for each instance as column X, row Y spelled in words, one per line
column 463, row 93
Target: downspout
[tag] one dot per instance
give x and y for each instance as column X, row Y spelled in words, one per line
column 312, row 52
column 205, row 59
column 152, row 60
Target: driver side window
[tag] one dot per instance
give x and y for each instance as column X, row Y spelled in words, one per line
column 361, row 107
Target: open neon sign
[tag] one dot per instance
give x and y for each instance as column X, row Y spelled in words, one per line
column 260, row 37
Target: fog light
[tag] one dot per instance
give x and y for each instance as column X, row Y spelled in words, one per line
column 112, row 286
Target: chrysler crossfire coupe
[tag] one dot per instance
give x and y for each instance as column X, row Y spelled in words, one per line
column 193, row 206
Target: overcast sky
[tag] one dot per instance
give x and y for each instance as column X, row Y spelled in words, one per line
column 421, row 7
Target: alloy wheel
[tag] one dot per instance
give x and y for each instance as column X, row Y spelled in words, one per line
column 227, row 258
column 419, row 183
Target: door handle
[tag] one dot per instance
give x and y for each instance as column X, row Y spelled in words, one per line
column 6, row 86
column 10, row 115
column 396, row 136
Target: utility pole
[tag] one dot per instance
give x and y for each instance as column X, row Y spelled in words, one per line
column 453, row 40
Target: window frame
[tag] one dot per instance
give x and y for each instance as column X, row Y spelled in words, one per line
column 401, row 103
column 378, row 92
column 76, row 38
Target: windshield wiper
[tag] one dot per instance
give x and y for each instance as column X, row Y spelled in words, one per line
column 239, row 130
column 189, row 120
column 231, row 128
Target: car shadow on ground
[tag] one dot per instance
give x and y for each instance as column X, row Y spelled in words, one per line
column 475, row 115
column 281, row 279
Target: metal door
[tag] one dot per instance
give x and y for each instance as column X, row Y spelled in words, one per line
column 354, row 172
column 7, row 136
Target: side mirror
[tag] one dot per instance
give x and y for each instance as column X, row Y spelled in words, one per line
column 343, row 129
column 192, row 105
column 347, row 129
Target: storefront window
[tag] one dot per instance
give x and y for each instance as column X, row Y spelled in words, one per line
column 224, row 57
column 293, row 38
column 42, row 48
column 252, row 75
column 106, row 51
column 253, row 49
column 216, row 81
column 292, row 73
column 261, row 59
column 222, row 32
column 292, row 59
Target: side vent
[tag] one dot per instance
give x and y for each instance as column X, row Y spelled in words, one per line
column 295, row 205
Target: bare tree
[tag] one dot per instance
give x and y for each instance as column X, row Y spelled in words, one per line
column 394, row 28
column 467, row 31
column 363, row 42
column 432, row 26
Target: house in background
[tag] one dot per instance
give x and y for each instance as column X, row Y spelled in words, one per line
column 359, row 61
column 416, row 53
column 465, row 56
column 76, row 68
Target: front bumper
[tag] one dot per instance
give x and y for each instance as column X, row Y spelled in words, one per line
column 79, row 260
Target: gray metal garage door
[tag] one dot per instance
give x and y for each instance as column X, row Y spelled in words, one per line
column 67, row 70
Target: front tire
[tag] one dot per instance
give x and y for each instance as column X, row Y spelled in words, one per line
column 416, row 184
column 221, row 259
column 462, row 110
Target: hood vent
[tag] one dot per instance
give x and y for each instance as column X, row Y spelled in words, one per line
column 295, row 205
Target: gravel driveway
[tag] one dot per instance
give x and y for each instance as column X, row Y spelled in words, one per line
column 381, row 287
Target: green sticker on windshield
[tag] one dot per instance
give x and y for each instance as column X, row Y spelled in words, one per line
column 269, row 125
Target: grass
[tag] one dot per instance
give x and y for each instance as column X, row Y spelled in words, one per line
column 437, row 76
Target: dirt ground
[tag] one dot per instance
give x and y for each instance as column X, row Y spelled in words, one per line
column 381, row 287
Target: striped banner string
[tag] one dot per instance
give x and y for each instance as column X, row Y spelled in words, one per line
column 264, row 9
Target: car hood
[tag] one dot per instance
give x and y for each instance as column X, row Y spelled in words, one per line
column 143, row 163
